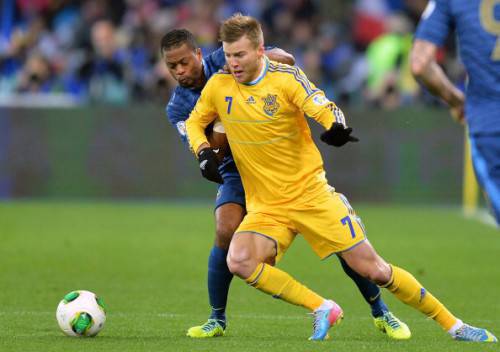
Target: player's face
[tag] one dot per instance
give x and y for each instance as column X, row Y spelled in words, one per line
column 185, row 65
column 243, row 59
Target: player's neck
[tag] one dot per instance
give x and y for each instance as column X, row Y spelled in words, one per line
column 259, row 72
column 200, row 83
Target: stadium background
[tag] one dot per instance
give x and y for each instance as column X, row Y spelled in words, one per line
column 82, row 93
column 99, row 193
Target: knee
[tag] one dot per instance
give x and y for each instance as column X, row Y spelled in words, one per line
column 240, row 262
column 379, row 274
column 223, row 233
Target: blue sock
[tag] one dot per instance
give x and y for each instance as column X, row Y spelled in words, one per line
column 219, row 279
column 370, row 291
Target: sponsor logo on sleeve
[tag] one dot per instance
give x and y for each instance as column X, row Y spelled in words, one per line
column 320, row 100
column 181, row 127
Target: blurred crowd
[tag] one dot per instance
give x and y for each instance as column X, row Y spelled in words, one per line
column 107, row 51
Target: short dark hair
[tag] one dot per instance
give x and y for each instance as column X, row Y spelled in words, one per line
column 177, row 37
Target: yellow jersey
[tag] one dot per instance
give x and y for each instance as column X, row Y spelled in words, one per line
column 267, row 131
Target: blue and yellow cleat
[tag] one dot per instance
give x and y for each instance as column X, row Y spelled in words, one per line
column 212, row 328
column 392, row 326
column 471, row 333
column 324, row 320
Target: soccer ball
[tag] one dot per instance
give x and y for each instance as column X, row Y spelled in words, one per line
column 81, row 313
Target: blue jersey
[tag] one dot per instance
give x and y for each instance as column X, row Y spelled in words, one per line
column 183, row 100
column 477, row 25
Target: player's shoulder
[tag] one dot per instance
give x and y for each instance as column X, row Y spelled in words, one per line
column 284, row 70
column 175, row 98
column 286, row 74
column 218, row 78
column 276, row 66
column 177, row 103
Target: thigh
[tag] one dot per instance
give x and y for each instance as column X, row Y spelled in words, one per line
column 486, row 159
column 364, row 260
column 270, row 227
column 227, row 219
column 329, row 224
column 248, row 246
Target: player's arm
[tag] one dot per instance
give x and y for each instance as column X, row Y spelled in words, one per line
column 202, row 115
column 176, row 115
column 432, row 32
column 280, row 55
column 315, row 104
column 428, row 72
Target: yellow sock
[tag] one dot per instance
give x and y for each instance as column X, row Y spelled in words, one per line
column 408, row 290
column 279, row 284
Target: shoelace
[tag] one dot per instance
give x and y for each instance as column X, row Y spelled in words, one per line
column 467, row 331
column 209, row 325
column 317, row 316
column 393, row 323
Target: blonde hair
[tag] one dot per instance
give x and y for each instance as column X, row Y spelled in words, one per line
column 237, row 26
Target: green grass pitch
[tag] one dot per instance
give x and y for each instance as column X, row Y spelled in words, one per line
column 148, row 262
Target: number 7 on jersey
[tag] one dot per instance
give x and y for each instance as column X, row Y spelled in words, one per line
column 229, row 101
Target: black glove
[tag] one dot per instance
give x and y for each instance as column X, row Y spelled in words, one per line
column 209, row 165
column 338, row 135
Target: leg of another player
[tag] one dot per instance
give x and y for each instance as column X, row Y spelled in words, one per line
column 249, row 258
column 384, row 320
column 364, row 260
column 227, row 219
column 486, row 160
column 370, row 292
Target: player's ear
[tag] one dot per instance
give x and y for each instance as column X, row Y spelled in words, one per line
column 260, row 49
column 198, row 54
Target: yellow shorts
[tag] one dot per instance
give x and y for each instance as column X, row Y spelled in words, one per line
column 328, row 223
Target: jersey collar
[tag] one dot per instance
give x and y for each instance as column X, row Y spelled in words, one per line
column 261, row 75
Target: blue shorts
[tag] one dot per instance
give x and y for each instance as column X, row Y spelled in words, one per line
column 231, row 191
column 485, row 150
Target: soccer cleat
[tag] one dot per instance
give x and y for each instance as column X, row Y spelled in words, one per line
column 324, row 320
column 392, row 326
column 471, row 333
column 212, row 328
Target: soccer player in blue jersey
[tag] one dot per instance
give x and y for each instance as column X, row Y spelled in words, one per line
column 187, row 66
column 477, row 25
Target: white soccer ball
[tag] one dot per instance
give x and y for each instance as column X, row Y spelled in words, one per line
column 81, row 313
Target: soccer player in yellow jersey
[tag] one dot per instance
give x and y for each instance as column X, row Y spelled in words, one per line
column 262, row 106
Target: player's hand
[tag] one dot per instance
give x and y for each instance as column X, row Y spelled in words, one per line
column 209, row 165
column 457, row 106
column 338, row 135
column 458, row 113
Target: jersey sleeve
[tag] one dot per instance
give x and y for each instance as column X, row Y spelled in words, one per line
column 202, row 115
column 435, row 23
column 177, row 117
column 312, row 101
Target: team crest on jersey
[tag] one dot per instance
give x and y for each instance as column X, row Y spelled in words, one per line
column 271, row 104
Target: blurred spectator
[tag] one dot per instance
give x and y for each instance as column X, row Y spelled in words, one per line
column 102, row 75
column 389, row 81
column 106, row 51
column 36, row 76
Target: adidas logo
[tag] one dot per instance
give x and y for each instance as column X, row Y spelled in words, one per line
column 250, row 100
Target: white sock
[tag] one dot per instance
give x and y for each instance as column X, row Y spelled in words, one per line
column 455, row 327
column 327, row 304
